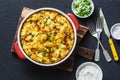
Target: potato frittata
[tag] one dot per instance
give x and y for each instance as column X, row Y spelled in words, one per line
column 47, row 36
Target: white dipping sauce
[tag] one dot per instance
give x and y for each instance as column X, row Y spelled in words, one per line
column 89, row 72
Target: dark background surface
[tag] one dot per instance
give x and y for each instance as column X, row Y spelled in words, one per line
column 12, row 68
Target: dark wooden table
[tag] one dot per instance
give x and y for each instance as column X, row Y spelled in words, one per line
column 12, row 68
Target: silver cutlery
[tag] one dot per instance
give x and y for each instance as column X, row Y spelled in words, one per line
column 95, row 34
column 98, row 30
column 106, row 30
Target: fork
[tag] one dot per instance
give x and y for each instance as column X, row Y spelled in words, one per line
column 98, row 30
column 95, row 34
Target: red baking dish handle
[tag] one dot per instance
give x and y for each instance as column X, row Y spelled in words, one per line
column 75, row 21
column 18, row 51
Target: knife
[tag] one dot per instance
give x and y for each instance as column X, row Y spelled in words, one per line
column 106, row 30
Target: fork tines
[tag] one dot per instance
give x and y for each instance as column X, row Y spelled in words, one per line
column 91, row 27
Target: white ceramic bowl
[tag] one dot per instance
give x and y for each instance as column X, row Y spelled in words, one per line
column 89, row 71
column 115, row 31
column 79, row 8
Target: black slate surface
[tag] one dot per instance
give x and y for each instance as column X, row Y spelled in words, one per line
column 12, row 68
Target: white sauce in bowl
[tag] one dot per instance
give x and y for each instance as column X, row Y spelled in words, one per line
column 89, row 71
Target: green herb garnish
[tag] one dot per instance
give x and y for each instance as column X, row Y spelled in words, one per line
column 82, row 7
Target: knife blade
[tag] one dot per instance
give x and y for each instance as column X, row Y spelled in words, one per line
column 106, row 30
column 104, row 23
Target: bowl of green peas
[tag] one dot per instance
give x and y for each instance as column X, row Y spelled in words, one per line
column 83, row 8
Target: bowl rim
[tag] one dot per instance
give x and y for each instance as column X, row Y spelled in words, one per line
column 112, row 28
column 93, row 7
column 80, row 67
column 35, row 11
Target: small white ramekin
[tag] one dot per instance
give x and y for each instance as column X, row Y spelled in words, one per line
column 83, row 68
column 115, row 31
